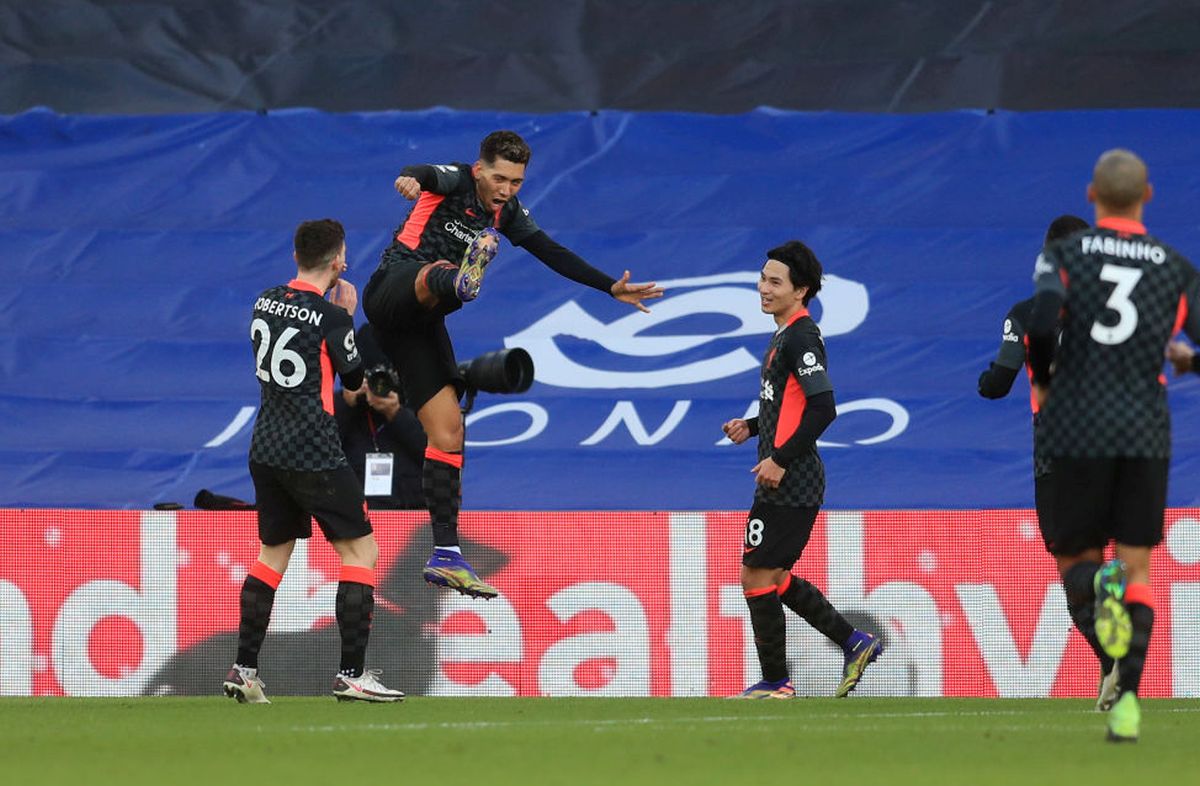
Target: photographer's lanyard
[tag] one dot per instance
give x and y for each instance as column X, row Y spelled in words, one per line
column 377, row 474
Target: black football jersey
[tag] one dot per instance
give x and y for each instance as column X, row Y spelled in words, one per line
column 793, row 369
column 1013, row 354
column 300, row 339
column 1125, row 294
column 448, row 216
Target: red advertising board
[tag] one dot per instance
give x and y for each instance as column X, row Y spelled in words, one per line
column 592, row 603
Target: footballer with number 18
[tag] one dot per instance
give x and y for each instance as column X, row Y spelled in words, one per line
column 795, row 407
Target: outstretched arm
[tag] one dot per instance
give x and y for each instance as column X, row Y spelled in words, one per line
column 570, row 265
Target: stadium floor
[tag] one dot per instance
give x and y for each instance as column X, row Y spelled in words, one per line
column 586, row 741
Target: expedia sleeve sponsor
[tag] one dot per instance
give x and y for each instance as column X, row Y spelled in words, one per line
column 1012, row 339
column 809, row 361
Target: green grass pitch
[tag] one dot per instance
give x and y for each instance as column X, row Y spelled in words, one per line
column 492, row 742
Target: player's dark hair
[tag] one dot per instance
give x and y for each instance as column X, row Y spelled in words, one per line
column 1064, row 225
column 504, row 144
column 804, row 269
column 318, row 242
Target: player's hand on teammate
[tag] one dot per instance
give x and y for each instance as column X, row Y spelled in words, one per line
column 408, row 187
column 768, row 473
column 634, row 294
column 1180, row 353
column 345, row 295
column 737, row 430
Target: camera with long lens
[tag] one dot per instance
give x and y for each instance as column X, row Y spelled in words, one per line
column 382, row 379
column 502, row 371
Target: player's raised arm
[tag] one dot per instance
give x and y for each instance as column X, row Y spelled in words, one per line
column 439, row 179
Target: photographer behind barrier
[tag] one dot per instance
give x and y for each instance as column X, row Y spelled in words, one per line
column 383, row 441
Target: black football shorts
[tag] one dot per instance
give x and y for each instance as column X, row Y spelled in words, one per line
column 413, row 337
column 776, row 535
column 1095, row 500
column 288, row 500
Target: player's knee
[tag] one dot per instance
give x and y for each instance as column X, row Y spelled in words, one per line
column 276, row 557
column 361, row 552
column 757, row 578
column 456, row 434
column 448, row 436
column 426, row 294
column 423, row 294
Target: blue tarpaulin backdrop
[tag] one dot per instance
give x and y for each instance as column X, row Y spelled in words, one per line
column 133, row 248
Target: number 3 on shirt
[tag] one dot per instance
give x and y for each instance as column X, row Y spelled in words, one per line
column 260, row 331
column 1125, row 279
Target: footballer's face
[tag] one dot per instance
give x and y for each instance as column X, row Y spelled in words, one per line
column 776, row 294
column 497, row 182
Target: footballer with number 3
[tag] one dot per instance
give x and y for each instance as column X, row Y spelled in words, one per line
column 1117, row 294
column 995, row 383
column 795, row 407
column 296, row 461
column 460, row 212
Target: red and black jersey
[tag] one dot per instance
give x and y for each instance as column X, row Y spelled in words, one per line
column 1012, row 356
column 448, row 215
column 300, row 340
column 795, row 369
column 1124, row 294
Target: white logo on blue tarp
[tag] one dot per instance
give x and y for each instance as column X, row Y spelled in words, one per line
column 844, row 303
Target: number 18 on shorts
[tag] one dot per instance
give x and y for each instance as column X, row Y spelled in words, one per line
column 776, row 535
